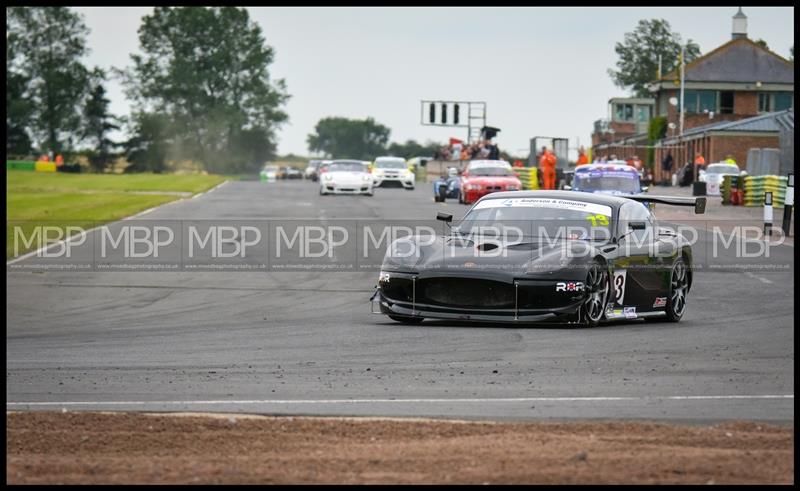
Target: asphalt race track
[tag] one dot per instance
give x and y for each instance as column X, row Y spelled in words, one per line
column 306, row 342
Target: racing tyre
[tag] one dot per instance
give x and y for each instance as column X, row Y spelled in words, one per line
column 406, row 320
column 678, row 287
column 597, row 286
column 442, row 194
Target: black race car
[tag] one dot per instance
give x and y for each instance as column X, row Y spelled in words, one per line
column 549, row 256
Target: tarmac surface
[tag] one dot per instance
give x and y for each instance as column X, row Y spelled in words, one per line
column 305, row 342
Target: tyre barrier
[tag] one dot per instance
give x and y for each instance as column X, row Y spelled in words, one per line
column 528, row 176
column 755, row 188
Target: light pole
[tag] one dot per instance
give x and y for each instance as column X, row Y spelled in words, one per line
column 683, row 78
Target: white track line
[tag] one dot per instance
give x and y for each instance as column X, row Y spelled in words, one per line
column 87, row 232
column 759, row 278
column 401, row 401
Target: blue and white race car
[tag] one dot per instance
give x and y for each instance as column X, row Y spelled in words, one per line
column 609, row 178
column 447, row 187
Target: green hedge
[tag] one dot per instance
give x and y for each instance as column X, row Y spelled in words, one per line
column 21, row 165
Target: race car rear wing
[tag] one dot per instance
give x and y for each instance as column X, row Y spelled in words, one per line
column 698, row 203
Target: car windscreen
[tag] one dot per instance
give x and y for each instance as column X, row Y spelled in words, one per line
column 490, row 171
column 390, row 164
column 271, row 168
column 626, row 182
column 540, row 218
column 347, row 167
column 723, row 169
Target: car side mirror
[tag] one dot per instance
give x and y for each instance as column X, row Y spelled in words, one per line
column 645, row 188
column 700, row 205
column 423, row 162
column 637, row 225
column 567, row 187
column 445, row 217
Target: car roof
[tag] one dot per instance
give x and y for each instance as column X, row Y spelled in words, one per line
column 487, row 163
column 617, row 167
column 346, row 161
column 600, row 199
column 401, row 159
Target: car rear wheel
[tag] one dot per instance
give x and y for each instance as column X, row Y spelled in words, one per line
column 406, row 320
column 678, row 287
column 597, row 288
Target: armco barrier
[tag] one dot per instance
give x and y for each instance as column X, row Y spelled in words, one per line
column 528, row 176
column 28, row 165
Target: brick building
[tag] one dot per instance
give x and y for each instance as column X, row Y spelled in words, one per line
column 718, row 141
column 737, row 81
column 628, row 116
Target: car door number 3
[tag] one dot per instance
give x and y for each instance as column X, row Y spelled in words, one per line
column 619, row 286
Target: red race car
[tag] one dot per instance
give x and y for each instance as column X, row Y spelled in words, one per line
column 482, row 177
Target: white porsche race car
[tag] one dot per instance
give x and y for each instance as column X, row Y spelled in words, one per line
column 346, row 177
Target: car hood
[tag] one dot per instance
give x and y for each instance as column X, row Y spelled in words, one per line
column 493, row 181
column 347, row 177
column 490, row 258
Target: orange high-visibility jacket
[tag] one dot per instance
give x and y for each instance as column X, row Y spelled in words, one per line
column 548, row 161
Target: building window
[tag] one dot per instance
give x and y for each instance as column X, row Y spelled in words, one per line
column 698, row 101
column 624, row 112
column 775, row 101
column 763, row 102
column 643, row 114
column 726, row 102
column 783, row 101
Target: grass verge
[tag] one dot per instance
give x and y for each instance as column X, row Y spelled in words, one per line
column 86, row 200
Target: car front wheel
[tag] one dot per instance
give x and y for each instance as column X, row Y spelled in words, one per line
column 597, row 288
column 678, row 287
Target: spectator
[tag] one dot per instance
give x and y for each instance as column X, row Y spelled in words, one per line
column 582, row 158
column 699, row 163
column 666, row 165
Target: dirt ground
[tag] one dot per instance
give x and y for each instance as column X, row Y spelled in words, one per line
column 83, row 447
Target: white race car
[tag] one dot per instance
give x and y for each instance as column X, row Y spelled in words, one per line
column 392, row 170
column 714, row 174
column 346, row 177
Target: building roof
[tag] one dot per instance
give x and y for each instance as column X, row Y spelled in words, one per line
column 786, row 120
column 739, row 60
column 633, row 100
column 763, row 123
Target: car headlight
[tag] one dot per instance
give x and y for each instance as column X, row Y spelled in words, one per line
column 366, row 177
column 473, row 186
column 328, row 177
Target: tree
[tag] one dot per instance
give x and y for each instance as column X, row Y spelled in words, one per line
column 98, row 123
column 147, row 149
column 411, row 149
column 18, row 107
column 640, row 51
column 206, row 69
column 656, row 130
column 762, row 43
column 336, row 137
column 49, row 43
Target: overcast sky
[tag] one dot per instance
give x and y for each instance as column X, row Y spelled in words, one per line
column 541, row 71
